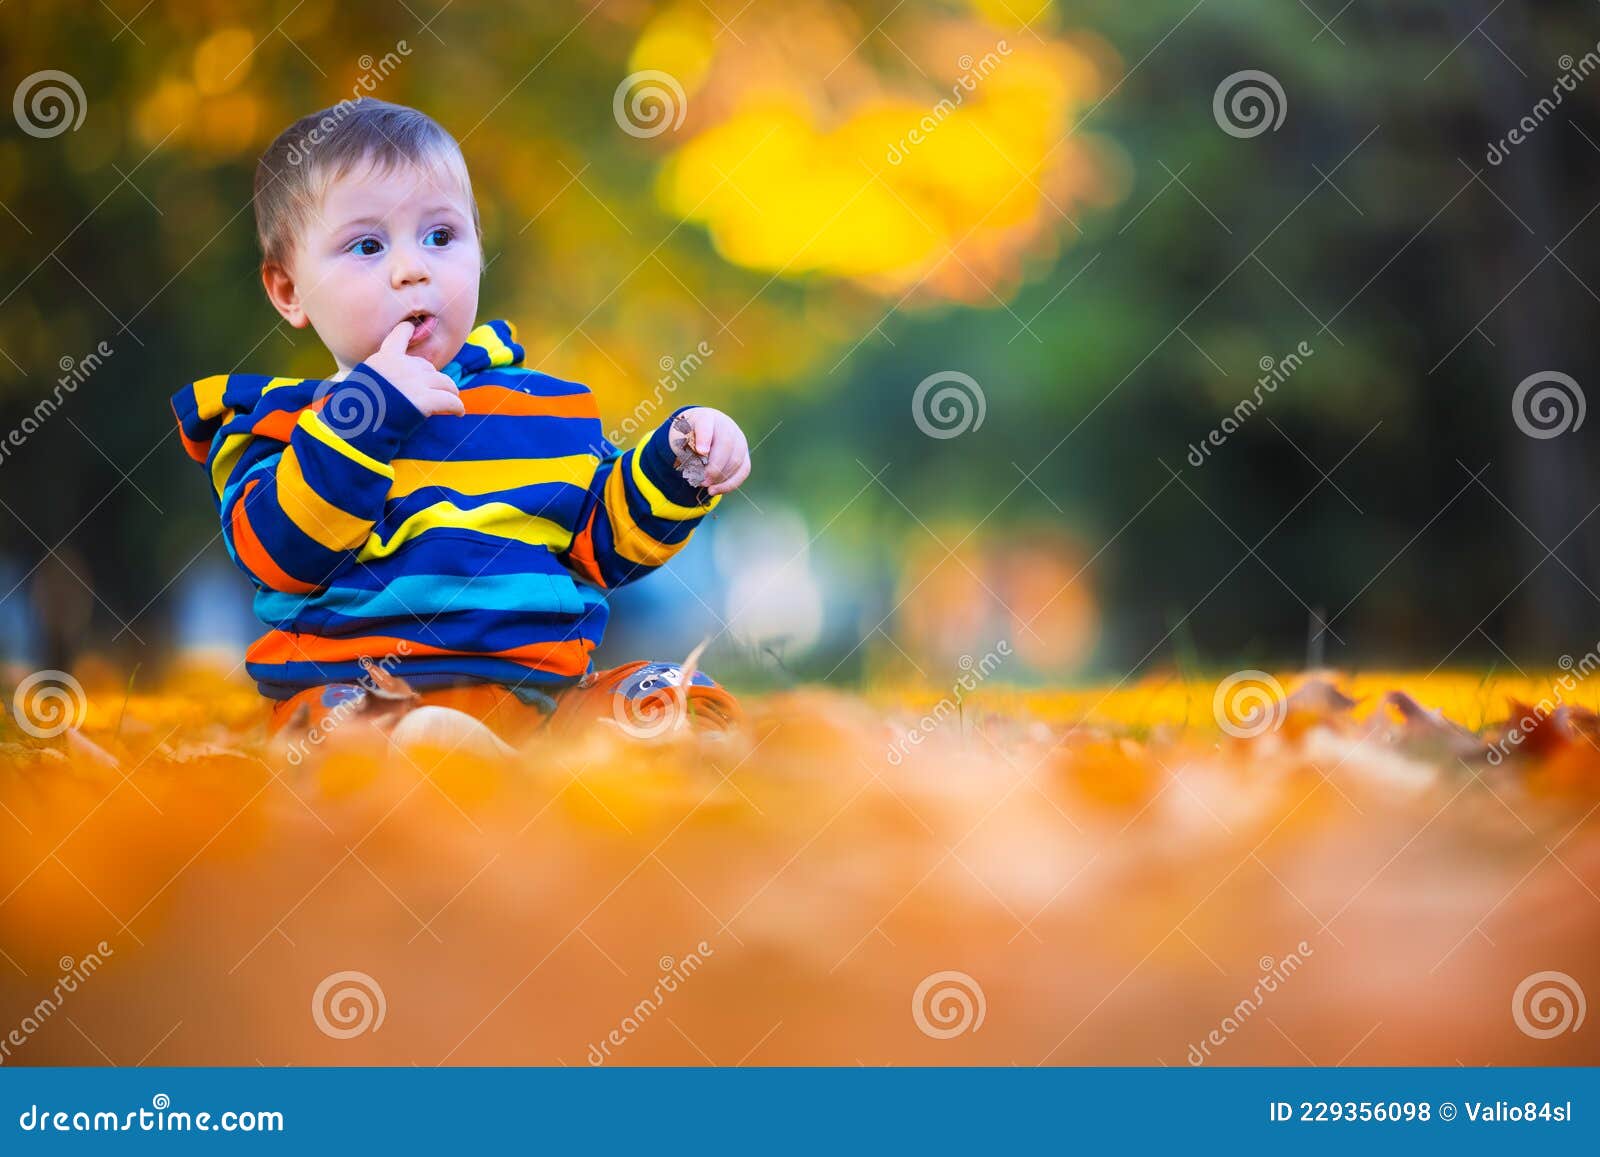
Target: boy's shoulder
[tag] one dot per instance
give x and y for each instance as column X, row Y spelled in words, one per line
column 206, row 405
column 529, row 381
column 492, row 355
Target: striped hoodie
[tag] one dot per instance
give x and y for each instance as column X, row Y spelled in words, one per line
column 446, row 547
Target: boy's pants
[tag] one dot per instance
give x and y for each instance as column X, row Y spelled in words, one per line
column 642, row 698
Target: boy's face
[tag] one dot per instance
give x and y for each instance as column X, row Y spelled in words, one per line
column 386, row 247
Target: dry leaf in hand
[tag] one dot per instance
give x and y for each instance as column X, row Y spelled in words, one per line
column 689, row 461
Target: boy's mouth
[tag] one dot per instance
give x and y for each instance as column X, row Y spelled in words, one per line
column 425, row 324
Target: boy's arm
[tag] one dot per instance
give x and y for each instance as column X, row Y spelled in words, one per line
column 638, row 513
column 294, row 518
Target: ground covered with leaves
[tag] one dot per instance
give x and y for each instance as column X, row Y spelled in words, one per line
column 1373, row 869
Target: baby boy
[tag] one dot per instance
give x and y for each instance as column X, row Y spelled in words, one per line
column 433, row 510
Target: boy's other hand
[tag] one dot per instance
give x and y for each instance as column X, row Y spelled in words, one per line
column 718, row 438
column 426, row 388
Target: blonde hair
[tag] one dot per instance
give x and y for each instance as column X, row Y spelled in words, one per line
column 297, row 168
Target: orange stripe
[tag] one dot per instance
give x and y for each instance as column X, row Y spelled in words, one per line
column 581, row 552
column 196, row 450
column 254, row 556
column 515, row 403
column 280, row 424
column 565, row 658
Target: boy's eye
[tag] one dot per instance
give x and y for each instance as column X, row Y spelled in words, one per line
column 366, row 247
column 438, row 237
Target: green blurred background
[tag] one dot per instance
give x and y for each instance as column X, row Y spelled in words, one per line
column 1079, row 234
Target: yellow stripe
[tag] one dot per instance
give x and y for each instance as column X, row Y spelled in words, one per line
column 208, row 395
column 234, row 444
column 486, row 339
column 321, row 520
column 497, row 518
column 660, row 505
column 314, row 425
column 629, row 539
column 227, row 458
column 208, row 404
column 412, row 474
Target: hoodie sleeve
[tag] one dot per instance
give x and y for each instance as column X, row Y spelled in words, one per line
column 299, row 468
column 638, row 513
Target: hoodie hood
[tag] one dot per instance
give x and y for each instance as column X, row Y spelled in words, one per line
column 260, row 405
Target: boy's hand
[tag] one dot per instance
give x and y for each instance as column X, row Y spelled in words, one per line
column 425, row 388
column 717, row 438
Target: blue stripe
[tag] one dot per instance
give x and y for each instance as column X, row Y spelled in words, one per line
column 420, row 595
column 470, row 633
column 486, row 437
column 454, row 551
column 557, row 501
column 281, row 680
column 297, row 554
column 266, row 467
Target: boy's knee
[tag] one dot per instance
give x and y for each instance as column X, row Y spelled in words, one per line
column 449, row 731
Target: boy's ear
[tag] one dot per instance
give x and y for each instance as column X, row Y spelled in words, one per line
column 283, row 293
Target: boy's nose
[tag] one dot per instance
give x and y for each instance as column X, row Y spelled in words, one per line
column 407, row 268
